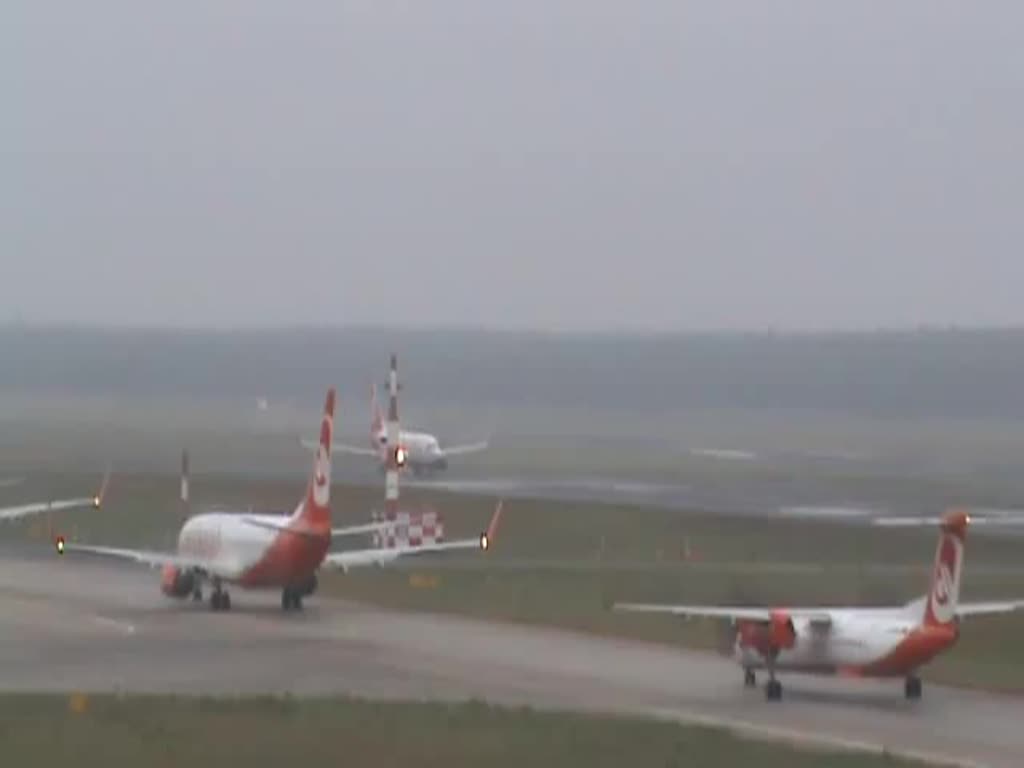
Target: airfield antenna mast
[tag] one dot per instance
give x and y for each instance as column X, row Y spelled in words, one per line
column 395, row 455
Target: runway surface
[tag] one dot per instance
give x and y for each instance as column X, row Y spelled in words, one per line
column 73, row 624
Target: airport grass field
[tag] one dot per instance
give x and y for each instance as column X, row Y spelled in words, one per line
column 564, row 564
column 163, row 731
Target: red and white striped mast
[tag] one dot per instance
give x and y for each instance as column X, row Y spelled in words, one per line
column 396, row 452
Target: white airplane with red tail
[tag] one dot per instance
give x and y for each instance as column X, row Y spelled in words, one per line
column 420, row 452
column 258, row 551
column 855, row 642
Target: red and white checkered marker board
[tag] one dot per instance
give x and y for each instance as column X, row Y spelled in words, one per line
column 410, row 529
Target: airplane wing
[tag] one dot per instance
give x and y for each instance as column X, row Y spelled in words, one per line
column 380, row 556
column 460, row 450
column 989, row 608
column 35, row 508
column 55, row 505
column 144, row 557
column 816, row 616
column 355, row 450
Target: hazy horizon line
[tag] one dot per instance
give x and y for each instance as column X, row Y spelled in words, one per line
column 479, row 329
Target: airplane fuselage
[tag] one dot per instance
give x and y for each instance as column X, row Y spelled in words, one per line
column 242, row 552
column 858, row 643
column 423, row 452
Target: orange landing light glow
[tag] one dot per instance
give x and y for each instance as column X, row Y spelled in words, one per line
column 484, row 541
column 60, row 545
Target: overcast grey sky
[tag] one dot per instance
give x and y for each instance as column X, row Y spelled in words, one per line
column 560, row 164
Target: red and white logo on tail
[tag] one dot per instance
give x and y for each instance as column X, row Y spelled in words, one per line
column 949, row 557
column 316, row 510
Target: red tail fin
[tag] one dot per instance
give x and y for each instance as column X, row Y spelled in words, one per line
column 944, row 591
column 315, row 510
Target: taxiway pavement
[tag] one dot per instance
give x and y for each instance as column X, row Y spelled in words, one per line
column 74, row 624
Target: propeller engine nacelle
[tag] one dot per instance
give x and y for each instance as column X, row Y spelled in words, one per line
column 174, row 582
column 768, row 638
column 782, row 633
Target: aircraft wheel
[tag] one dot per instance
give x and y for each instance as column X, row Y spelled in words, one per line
column 912, row 688
column 225, row 602
column 773, row 690
column 197, row 595
column 290, row 600
column 749, row 678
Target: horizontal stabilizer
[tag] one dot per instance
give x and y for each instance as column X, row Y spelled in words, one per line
column 989, row 608
column 285, row 526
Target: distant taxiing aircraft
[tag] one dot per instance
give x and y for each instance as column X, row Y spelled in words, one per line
column 420, row 452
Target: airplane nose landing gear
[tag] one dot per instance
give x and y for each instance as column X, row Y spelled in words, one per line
column 773, row 688
column 912, row 687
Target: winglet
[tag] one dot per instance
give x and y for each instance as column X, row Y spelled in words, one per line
column 487, row 537
column 97, row 500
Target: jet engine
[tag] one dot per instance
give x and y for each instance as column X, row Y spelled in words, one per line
column 174, row 582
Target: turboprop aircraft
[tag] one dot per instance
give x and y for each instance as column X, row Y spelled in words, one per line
column 859, row 642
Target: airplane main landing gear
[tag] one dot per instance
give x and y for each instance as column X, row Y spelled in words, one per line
column 773, row 688
column 749, row 678
column 912, row 687
column 290, row 600
column 220, row 600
